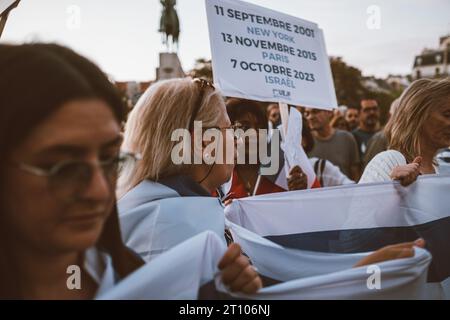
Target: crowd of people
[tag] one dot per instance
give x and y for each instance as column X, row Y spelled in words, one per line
column 76, row 168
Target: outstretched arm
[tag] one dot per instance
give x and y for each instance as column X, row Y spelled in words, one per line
column 399, row 251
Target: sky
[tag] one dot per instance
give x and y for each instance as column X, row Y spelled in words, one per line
column 122, row 37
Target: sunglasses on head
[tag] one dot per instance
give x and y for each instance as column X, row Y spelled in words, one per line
column 203, row 86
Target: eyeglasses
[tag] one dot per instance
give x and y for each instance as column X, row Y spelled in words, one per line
column 69, row 178
column 237, row 128
column 203, row 85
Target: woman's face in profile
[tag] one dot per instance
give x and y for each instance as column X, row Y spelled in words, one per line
column 437, row 128
column 57, row 214
column 224, row 164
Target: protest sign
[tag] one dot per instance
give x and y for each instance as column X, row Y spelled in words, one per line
column 264, row 55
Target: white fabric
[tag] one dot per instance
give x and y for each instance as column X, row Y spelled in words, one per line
column 179, row 273
column 154, row 218
column 282, row 178
column 293, row 150
column 343, row 208
column 332, row 176
column 271, row 130
column 175, row 275
column 309, row 275
column 347, row 208
column 182, row 271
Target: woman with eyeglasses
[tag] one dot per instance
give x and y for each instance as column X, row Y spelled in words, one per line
column 163, row 195
column 60, row 134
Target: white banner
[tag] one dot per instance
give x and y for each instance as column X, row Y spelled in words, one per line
column 155, row 229
column 352, row 207
column 354, row 219
column 180, row 273
column 264, row 55
column 309, row 275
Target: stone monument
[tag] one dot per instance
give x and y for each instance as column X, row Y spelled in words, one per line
column 169, row 63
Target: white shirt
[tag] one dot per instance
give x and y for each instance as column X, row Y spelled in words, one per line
column 332, row 176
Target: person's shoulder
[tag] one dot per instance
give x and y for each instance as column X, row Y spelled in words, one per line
column 144, row 193
column 381, row 166
column 378, row 137
column 345, row 134
column 392, row 156
column 356, row 131
column 379, row 134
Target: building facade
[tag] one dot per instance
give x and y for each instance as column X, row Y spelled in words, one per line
column 433, row 63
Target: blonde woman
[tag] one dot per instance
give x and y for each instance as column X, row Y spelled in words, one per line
column 166, row 107
column 153, row 218
column 416, row 132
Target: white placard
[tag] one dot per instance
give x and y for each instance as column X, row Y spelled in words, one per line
column 5, row 4
column 264, row 55
column 292, row 146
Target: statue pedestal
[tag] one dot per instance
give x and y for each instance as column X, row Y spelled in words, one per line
column 169, row 67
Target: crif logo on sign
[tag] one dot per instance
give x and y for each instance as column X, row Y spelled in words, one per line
column 264, row 55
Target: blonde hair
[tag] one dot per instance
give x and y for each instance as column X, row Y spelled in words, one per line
column 404, row 130
column 165, row 107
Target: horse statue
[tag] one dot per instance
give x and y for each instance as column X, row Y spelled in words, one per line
column 169, row 25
